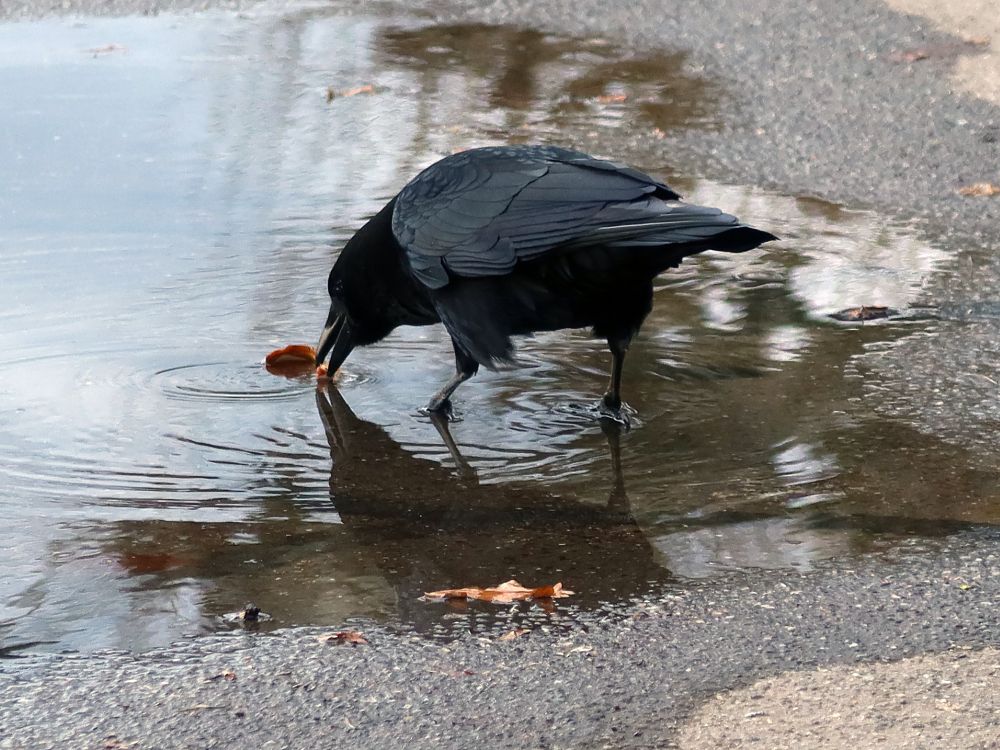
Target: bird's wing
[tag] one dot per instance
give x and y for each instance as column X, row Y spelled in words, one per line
column 478, row 213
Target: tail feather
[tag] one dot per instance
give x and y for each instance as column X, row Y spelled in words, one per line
column 738, row 239
column 670, row 225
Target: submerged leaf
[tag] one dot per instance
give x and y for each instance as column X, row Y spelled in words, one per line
column 863, row 313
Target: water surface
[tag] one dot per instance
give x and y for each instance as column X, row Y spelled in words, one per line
column 175, row 192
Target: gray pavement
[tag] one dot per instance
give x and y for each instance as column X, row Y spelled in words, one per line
column 821, row 102
column 622, row 682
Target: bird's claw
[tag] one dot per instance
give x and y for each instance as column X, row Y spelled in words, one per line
column 622, row 414
column 440, row 409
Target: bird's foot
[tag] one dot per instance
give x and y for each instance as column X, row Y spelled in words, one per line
column 441, row 408
column 622, row 413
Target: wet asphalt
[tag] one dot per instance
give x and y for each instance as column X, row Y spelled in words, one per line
column 819, row 104
column 621, row 682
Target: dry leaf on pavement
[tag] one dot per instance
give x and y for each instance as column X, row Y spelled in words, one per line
column 514, row 634
column 980, row 189
column 503, row 593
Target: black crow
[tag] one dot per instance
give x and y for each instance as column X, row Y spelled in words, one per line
column 495, row 242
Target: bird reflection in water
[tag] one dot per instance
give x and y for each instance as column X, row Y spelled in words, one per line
column 407, row 525
column 430, row 527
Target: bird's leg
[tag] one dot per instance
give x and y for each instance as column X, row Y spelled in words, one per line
column 611, row 404
column 440, row 422
column 618, row 499
column 465, row 368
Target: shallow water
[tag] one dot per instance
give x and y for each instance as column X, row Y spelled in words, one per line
column 175, row 192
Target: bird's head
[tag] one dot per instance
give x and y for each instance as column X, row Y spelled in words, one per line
column 365, row 286
column 355, row 319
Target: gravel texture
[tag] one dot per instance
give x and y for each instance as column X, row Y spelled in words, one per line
column 618, row 681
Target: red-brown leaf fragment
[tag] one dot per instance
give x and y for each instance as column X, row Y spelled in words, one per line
column 865, row 312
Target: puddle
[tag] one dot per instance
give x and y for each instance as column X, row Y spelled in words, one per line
column 172, row 205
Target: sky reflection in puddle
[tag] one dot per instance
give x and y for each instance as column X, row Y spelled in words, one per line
column 172, row 207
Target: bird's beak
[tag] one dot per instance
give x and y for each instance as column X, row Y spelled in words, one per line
column 336, row 340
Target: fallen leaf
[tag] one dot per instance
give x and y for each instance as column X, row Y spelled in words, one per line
column 366, row 89
column 911, row 56
column 514, row 634
column 504, row 593
column 295, row 352
column 343, row 636
column 332, row 93
column 611, row 98
column 983, row 189
column 865, row 312
column 291, row 361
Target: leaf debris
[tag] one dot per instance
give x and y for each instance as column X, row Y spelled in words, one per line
column 980, row 189
column 514, row 634
column 344, row 636
column 502, row 593
column 863, row 313
column 332, row 93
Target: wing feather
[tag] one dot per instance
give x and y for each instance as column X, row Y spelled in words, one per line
column 480, row 212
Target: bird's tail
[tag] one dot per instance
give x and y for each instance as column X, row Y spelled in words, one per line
column 736, row 239
column 666, row 232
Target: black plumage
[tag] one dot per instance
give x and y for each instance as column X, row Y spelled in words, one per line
column 497, row 242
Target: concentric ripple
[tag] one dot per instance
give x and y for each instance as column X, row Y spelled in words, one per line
column 228, row 381
column 111, row 426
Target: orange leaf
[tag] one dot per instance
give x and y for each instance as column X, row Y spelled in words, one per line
column 611, row 98
column 503, row 593
column 291, row 361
